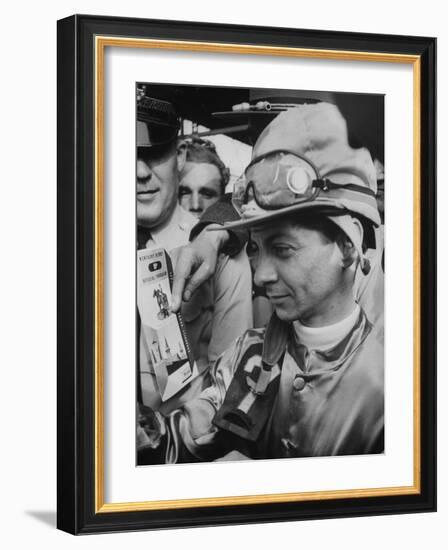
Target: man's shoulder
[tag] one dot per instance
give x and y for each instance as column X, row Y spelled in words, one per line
column 235, row 266
column 374, row 343
column 185, row 220
column 177, row 231
column 370, row 356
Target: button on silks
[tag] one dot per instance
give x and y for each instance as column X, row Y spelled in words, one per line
column 298, row 383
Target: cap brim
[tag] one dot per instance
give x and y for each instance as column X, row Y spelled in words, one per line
column 241, row 115
column 154, row 134
column 160, row 144
column 317, row 207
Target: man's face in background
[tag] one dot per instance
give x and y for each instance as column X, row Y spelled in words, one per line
column 200, row 187
column 157, row 183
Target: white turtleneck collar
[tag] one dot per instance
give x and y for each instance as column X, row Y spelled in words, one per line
column 325, row 338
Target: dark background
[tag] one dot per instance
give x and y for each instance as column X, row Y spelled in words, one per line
column 211, row 106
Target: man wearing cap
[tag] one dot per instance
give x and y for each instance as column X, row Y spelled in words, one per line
column 221, row 311
column 311, row 383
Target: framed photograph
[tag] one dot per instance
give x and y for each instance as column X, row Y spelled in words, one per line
column 246, row 274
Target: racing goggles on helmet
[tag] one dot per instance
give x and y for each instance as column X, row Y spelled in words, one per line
column 280, row 179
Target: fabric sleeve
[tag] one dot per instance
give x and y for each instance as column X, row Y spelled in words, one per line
column 190, row 435
column 232, row 309
column 220, row 212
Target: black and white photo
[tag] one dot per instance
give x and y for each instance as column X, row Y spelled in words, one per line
column 269, row 205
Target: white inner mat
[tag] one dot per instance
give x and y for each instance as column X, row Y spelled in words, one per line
column 123, row 481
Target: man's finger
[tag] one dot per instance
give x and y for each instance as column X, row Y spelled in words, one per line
column 184, row 266
column 200, row 276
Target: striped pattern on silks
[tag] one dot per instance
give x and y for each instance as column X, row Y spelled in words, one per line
column 251, row 395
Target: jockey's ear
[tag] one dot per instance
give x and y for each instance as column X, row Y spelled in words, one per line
column 349, row 252
column 350, row 240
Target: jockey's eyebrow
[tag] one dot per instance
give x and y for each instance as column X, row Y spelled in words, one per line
column 271, row 238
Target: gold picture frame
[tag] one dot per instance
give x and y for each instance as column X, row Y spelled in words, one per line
column 81, row 457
